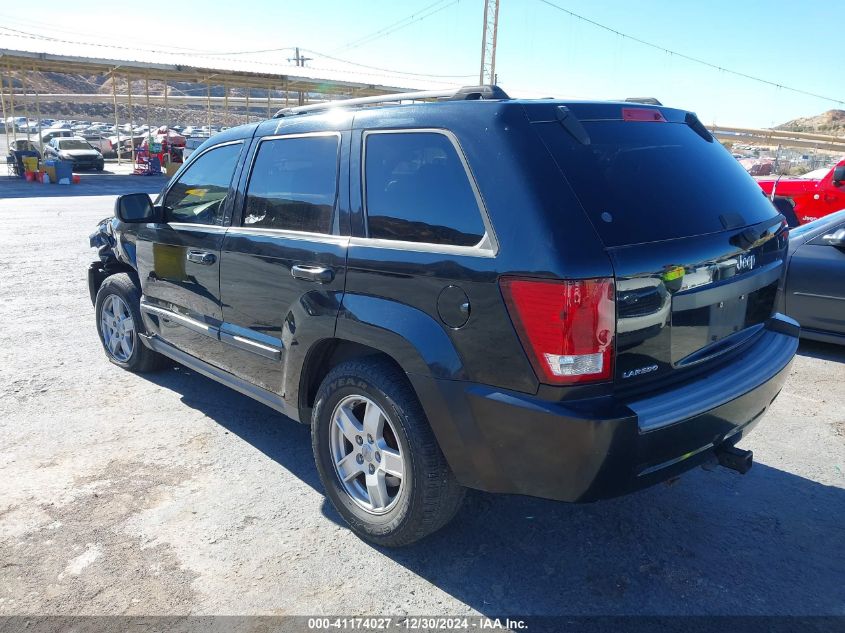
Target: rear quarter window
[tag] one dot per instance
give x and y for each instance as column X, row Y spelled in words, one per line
column 417, row 190
column 647, row 181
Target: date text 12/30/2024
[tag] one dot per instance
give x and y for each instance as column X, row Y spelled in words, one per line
column 415, row 623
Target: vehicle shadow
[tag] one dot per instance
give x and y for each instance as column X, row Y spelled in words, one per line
column 714, row 543
column 91, row 184
column 281, row 439
column 822, row 351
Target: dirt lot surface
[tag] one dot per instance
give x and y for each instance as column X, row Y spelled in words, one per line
column 168, row 494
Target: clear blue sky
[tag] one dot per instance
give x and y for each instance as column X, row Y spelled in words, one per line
column 542, row 51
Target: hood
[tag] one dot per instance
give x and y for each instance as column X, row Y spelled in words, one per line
column 80, row 153
column 787, row 186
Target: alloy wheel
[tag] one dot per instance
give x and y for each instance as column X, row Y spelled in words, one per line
column 118, row 328
column 366, row 454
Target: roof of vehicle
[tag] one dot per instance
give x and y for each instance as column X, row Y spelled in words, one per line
column 477, row 94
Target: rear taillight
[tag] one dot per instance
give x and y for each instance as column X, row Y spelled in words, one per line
column 566, row 327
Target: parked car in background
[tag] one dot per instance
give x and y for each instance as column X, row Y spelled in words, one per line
column 757, row 166
column 364, row 272
column 100, row 142
column 97, row 128
column 814, row 290
column 14, row 122
column 32, row 127
column 50, row 134
column 75, row 149
column 123, row 143
column 195, row 131
column 803, row 199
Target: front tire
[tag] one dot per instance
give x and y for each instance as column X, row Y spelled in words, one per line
column 118, row 310
column 377, row 457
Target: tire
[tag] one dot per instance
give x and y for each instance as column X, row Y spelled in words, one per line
column 787, row 209
column 427, row 496
column 120, row 298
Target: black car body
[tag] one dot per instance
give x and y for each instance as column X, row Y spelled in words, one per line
column 814, row 290
column 575, row 323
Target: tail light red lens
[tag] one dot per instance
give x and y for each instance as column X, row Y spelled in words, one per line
column 566, row 327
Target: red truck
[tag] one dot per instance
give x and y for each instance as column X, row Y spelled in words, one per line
column 805, row 199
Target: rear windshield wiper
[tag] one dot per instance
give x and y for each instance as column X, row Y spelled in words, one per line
column 698, row 127
column 572, row 125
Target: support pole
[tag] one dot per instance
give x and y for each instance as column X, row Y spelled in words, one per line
column 166, row 109
column 247, row 105
column 25, row 106
column 208, row 105
column 12, row 103
column 3, row 102
column 269, row 88
column 131, row 118
column 286, row 93
column 38, row 115
column 116, row 118
column 147, row 94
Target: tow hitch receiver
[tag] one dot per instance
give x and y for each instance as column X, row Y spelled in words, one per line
column 735, row 458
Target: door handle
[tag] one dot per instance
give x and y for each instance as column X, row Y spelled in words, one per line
column 202, row 257
column 320, row 274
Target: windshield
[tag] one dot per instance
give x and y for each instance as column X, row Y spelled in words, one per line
column 74, row 144
column 645, row 182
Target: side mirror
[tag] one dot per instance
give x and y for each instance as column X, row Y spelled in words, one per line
column 136, row 208
column 838, row 175
column 837, row 238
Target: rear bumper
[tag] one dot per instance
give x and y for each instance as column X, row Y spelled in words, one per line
column 585, row 450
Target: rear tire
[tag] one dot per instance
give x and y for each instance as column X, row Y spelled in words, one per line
column 373, row 393
column 118, row 311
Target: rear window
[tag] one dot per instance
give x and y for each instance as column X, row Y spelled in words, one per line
column 645, row 181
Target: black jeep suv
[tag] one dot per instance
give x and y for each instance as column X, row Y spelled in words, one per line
column 570, row 300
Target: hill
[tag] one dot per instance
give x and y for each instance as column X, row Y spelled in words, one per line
column 831, row 122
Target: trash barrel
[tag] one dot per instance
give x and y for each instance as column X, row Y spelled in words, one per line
column 64, row 169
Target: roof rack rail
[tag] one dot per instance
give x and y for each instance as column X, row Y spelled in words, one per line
column 466, row 93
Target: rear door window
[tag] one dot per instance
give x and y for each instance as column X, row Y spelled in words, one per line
column 418, row 190
column 649, row 181
column 294, row 184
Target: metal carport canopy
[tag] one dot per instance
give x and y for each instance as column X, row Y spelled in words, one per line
column 23, row 54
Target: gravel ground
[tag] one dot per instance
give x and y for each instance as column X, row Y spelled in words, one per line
column 167, row 494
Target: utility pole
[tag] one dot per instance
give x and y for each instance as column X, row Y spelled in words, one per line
column 300, row 61
column 488, row 43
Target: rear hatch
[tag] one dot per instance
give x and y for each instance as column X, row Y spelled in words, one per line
column 697, row 250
